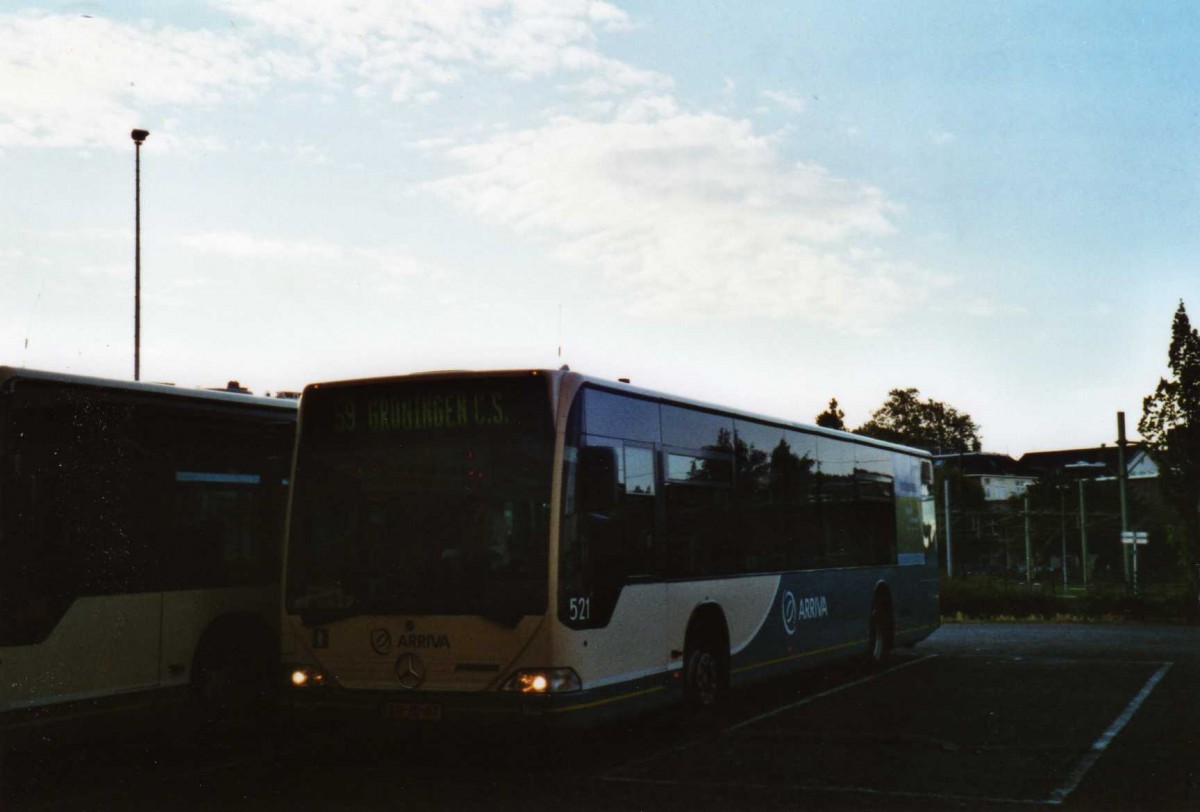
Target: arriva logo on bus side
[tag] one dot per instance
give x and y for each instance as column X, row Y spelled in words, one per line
column 803, row 609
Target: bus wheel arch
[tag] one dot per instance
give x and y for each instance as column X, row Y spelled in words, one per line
column 881, row 627
column 706, row 658
column 234, row 666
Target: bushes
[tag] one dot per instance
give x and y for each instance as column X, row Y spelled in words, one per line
column 982, row 598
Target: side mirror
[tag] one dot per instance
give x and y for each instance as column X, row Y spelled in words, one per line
column 597, row 481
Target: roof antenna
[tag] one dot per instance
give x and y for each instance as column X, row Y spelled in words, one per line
column 29, row 322
column 564, row 367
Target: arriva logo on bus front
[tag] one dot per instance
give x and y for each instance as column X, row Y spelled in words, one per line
column 810, row 608
column 382, row 642
column 423, row 641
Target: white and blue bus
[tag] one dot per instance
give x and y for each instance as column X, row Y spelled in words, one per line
column 140, row 535
column 541, row 544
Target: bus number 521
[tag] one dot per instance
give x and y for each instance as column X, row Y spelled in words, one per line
column 580, row 609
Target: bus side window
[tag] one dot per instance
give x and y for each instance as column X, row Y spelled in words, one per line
column 875, row 502
column 74, row 500
column 638, row 502
column 700, row 536
column 599, row 479
column 216, row 488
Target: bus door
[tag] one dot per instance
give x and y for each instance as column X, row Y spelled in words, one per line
column 622, row 594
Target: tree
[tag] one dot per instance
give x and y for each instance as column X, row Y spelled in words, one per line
column 1170, row 426
column 905, row 418
column 832, row 417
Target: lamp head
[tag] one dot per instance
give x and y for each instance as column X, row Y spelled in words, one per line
column 139, row 136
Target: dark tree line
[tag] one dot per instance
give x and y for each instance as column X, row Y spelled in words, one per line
column 907, row 419
column 1170, row 427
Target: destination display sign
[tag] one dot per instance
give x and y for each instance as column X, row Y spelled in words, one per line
column 419, row 412
column 466, row 406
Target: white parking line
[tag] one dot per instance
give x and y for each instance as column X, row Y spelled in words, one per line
column 823, row 694
column 966, row 800
column 686, row 745
column 1058, row 796
column 1056, row 799
column 1101, row 744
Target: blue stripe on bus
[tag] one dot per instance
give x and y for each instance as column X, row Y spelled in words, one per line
column 199, row 476
column 909, row 559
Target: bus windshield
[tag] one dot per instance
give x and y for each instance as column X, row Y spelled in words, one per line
column 422, row 497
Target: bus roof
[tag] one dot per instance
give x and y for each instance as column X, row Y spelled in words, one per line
column 9, row 374
column 564, row 376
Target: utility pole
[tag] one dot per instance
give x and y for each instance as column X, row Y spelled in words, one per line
column 138, row 137
column 1028, row 548
column 1122, row 477
column 1062, row 531
column 1083, row 533
column 949, row 548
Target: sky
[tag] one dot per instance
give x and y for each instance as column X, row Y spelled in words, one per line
column 762, row 205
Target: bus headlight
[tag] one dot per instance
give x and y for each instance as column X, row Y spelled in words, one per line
column 306, row 676
column 543, row 681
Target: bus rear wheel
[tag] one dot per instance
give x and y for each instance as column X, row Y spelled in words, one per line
column 233, row 676
column 879, row 633
column 704, row 674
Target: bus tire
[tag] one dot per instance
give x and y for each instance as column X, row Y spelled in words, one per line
column 880, row 632
column 705, row 668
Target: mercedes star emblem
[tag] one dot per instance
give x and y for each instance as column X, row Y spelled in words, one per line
column 410, row 671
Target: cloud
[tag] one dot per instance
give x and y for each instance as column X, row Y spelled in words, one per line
column 283, row 254
column 76, row 81
column 691, row 214
column 788, row 101
column 95, row 235
column 109, row 270
column 413, row 48
column 981, row 307
column 70, row 81
column 299, row 151
column 241, row 245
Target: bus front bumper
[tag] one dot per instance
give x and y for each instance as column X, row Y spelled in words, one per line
column 334, row 704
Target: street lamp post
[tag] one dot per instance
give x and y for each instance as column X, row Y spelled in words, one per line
column 138, row 137
column 1122, row 479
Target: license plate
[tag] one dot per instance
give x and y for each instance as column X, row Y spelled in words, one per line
column 413, row 711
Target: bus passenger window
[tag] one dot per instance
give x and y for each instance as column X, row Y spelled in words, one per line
column 638, row 502
column 639, row 471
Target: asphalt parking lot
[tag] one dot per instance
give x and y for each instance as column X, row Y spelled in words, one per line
column 979, row 716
